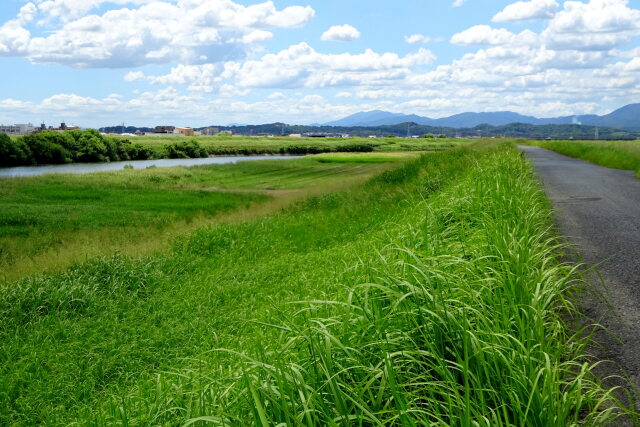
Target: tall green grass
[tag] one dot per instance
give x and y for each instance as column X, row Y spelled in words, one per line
column 433, row 294
column 618, row 155
column 459, row 323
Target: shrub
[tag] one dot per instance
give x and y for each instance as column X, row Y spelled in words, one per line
column 185, row 150
column 355, row 147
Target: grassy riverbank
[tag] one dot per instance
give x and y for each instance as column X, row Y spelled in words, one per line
column 612, row 154
column 433, row 293
column 229, row 145
column 50, row 221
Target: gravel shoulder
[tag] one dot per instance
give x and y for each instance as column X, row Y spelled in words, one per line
column 597, row 210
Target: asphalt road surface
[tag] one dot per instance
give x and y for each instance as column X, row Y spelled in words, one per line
column 598, row 211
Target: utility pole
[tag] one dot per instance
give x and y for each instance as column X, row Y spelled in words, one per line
column 408, row 127
column 596, row 133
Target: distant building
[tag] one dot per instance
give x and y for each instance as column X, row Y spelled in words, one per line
column 63, row 127
column 184, row 131
column 164, row 129
column 20, row 129
column 295, row 135
column 210, row 131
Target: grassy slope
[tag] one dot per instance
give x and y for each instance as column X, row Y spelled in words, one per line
column 48, row 220
column 612, row 154
column 460, row 320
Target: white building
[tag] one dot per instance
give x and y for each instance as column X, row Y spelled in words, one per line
column 27, row 129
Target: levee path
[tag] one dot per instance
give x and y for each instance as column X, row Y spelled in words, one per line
column 597, row 210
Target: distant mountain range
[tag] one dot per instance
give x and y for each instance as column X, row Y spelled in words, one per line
column 627, row 118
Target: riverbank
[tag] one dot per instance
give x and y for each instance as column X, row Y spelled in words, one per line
column 79, row 168
column 89, row 146
column 48, row 222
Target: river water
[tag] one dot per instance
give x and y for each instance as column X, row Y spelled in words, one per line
column 137, row 164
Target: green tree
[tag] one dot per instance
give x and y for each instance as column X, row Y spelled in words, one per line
column 47, row 152
column 92, row 147
column 14, row 153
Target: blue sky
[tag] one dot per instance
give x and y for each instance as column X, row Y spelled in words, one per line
column 198, row 62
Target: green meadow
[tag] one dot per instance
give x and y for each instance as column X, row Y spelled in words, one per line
column 429, row 290
column 50, row 221
column 612, row 154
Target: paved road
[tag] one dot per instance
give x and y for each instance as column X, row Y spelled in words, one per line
column 598, row 211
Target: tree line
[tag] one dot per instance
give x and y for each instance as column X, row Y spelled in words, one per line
column 87, row 146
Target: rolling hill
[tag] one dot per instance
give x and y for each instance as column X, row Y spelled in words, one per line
column 627, row 117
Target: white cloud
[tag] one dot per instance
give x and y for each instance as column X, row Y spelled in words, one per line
column 458, row 3
column 598, row 25
column 485, row 35
column 421, row 38
column 256, row 36
column 526, row 10
column 133, row 76
column 299, row 66
column 27, row 13
column 69, row 10
column 302, row 66
column 185, row 31
column 341, row 33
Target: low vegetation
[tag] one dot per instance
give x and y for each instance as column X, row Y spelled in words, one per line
column 242, row 145
column 611, row 154
column 430, row 294
column 49, row 221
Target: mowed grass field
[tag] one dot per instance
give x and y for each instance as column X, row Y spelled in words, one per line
column 50, row 221
column 431, row 293
column 612, row 154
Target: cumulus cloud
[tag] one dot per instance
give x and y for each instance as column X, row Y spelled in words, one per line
column 527, row 10
column 341, row 33
column 597, row 25
column 186, row 31
column 485, row 35
column 299, row 66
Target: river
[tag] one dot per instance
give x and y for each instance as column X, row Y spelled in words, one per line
column 137, row 164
